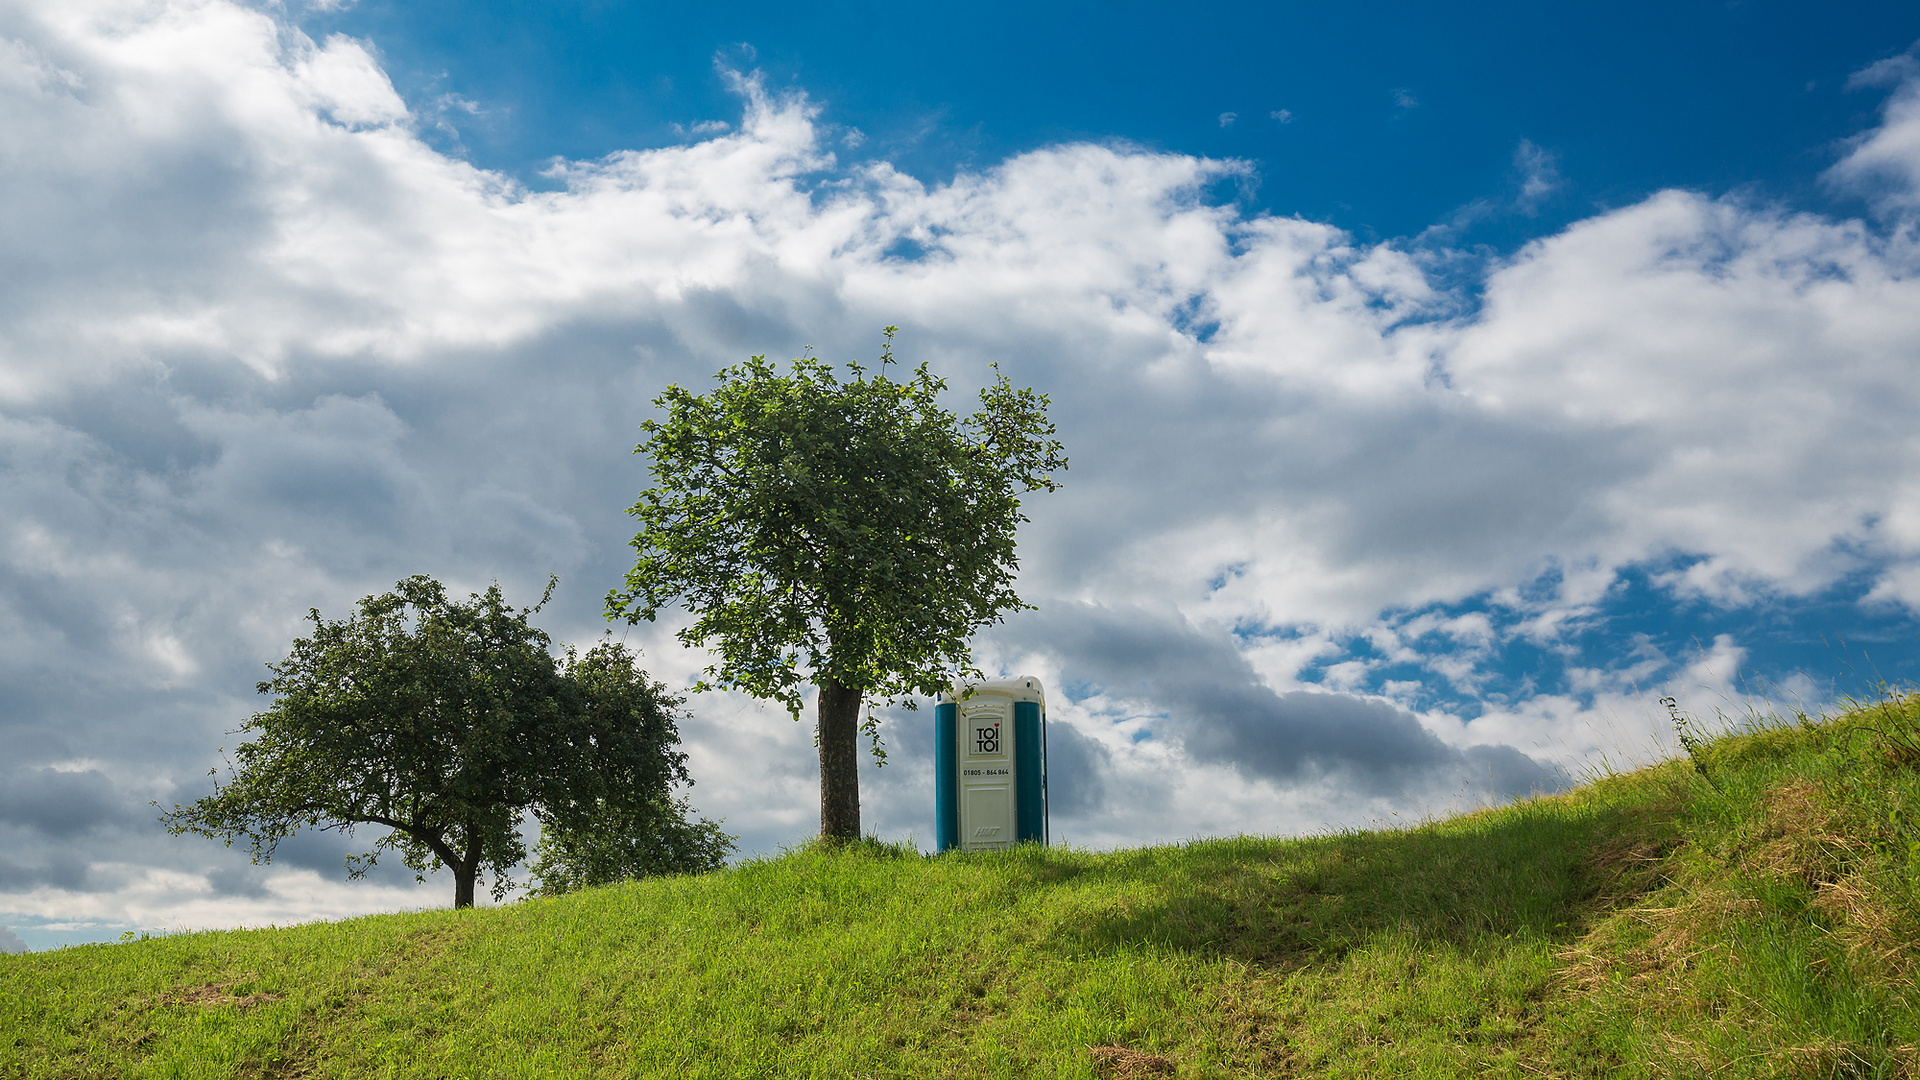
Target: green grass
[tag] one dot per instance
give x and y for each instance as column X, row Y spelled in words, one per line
column 1750, row 912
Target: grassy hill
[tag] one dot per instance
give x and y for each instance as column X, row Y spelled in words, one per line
column 1750, row 911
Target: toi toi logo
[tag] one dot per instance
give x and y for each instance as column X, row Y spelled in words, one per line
column 986, row 740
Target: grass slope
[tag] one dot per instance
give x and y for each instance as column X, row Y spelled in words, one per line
column 1750, row 911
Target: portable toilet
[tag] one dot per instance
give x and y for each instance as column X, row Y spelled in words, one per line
column 990, row 765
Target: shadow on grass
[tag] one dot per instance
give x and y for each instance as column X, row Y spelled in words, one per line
column 1540, row 870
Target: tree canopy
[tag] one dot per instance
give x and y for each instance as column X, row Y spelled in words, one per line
column 849, row 533
column 444, row 722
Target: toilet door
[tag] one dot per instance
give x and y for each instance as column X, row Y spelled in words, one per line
column 985, row 733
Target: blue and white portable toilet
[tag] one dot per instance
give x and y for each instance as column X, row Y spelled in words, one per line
column 990, row 765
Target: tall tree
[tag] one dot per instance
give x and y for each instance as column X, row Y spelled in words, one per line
column 852, row 534
column 443, row 722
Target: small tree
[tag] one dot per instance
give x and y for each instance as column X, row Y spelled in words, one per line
column 614, row 817
column 852, row 534
column 444, row 722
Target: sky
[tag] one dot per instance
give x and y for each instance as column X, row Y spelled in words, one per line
column 1442, row 389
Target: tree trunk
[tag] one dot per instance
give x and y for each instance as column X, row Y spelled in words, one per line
column 466, row 871
column 839, row 734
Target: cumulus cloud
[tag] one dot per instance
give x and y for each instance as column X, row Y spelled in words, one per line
column 263, row 348
column 61, row 804
column 1220, row 711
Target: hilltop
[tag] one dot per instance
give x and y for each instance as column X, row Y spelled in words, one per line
column 1748, row 910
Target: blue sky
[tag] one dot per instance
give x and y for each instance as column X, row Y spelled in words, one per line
column 1441, row 388
column 1397, row 115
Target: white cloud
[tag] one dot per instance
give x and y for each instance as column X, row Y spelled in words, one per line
column 1884, row 164
column 344, row 83
column 1227, row 119
column 166, row 900
column 1889, row 72
column 717, row 127
column 1539, row 174
column 263, row 348
column 1617, row 722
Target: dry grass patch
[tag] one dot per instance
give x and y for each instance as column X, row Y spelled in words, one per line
column 1126, row 1063
column 208, row 995
column 1803, row 835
